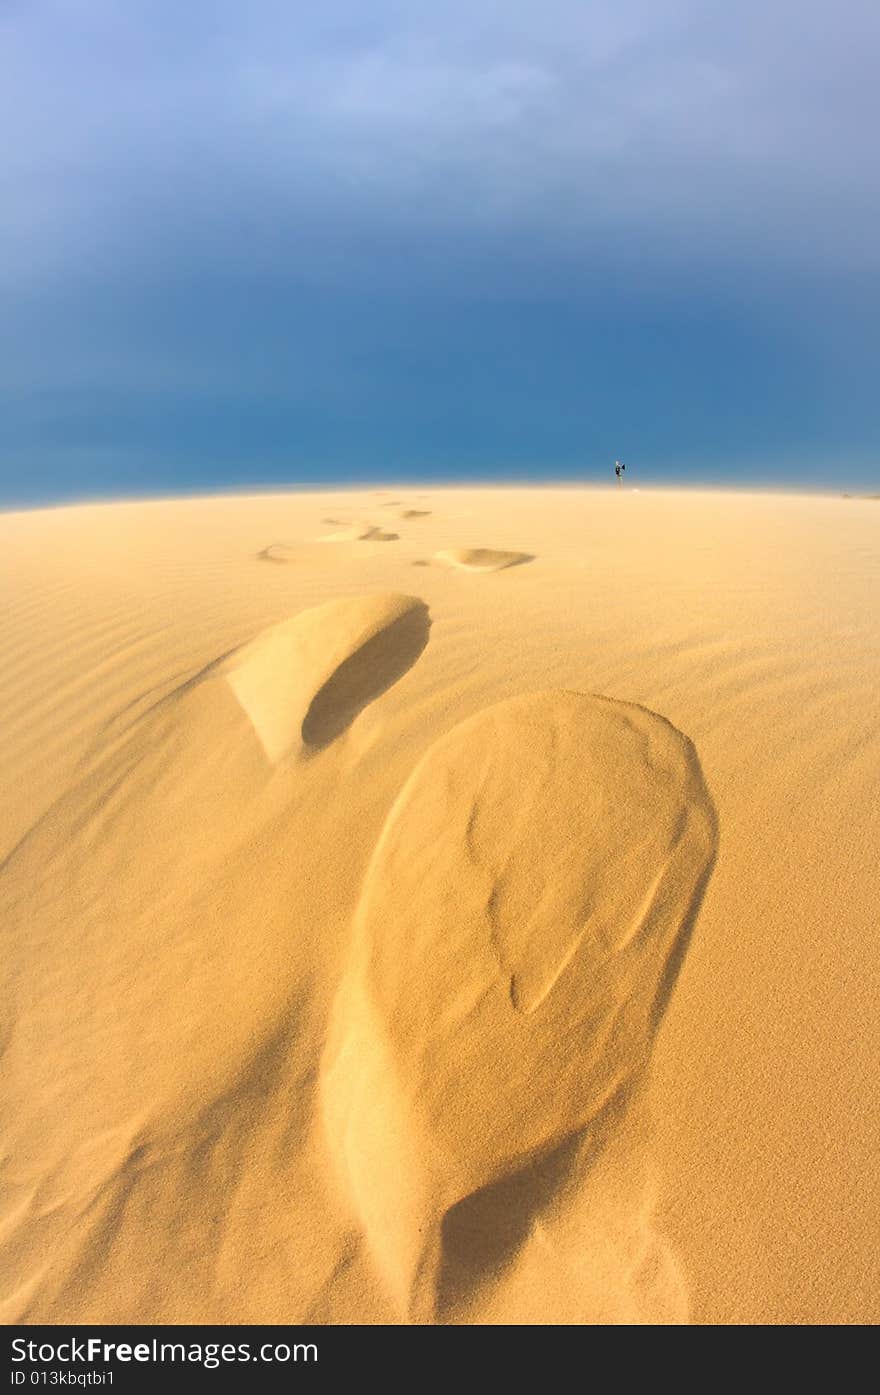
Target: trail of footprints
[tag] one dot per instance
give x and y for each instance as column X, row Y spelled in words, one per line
column 468, row 559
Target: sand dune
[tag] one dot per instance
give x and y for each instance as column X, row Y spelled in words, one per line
column 481, row 559
column 500, row 953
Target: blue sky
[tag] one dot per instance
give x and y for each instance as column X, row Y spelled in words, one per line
column 275, row 242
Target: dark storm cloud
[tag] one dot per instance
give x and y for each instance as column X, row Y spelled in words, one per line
column 309, row 209
column 198, row 124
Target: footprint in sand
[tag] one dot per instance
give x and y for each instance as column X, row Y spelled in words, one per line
column 278, row 552
column 519, row 931
column 304, row 681
column 482, row 559
column 287, row 552
column 361, row 532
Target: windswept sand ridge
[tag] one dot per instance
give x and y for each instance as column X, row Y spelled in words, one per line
column 574, row 836
column 303, row 682
column 482, row 559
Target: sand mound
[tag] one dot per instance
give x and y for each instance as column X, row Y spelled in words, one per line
column 415, row 513
column 302, row 682
column 482, row 559
column 519, row 929
column 361, row 532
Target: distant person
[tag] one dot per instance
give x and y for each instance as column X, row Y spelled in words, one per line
column 619, row 468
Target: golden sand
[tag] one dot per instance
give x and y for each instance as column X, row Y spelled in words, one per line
column 470, row 922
